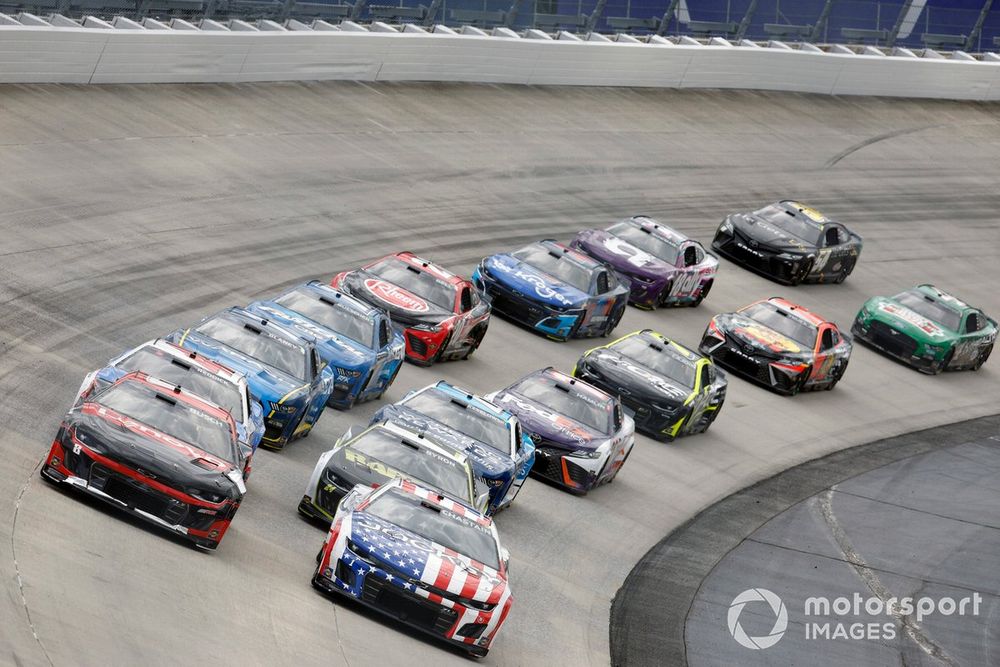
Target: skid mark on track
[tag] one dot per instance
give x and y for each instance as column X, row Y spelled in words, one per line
column 874, row 140
column 17, row 569
column 875, row 585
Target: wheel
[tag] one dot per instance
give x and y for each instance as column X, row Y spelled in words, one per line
column 704, row 292
column 389, row 383
column 802, row 275
column 613, row 323
column 843, row 369
column 983, row 356
column 800, row 385
column 943, row 366
column 477, row 335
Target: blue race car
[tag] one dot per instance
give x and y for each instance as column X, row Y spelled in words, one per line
column 355, row 339
column 489, row 435
column 282, row 366
column 557, row 291
column 191, row 371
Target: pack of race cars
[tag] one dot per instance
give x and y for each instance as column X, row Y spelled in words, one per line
column 167, row 431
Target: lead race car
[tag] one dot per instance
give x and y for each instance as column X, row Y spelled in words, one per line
column 780, row 345
column 492, row 437
column 668, row 390
column 281, row 365
column 156, row 451
column 790, row 243
column 582, row 436
column 554, row 290
column 380, row 453
column 927, row 329
column 439, row 313
column 664, row 267
column 421, row 558
column 353, row 338
column 191, row 371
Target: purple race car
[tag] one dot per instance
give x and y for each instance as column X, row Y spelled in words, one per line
column 665, row 267
column 582, row 436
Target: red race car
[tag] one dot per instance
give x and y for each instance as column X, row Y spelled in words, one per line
column 440, row 314
column 157, row 451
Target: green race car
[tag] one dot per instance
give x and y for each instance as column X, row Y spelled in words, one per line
column 927, row 329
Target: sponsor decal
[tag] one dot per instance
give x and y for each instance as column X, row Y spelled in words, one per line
column 538, row 284
column 916, row 319
column 396, row 296
column 564, row 425
column 769, row 337
column 810, row 212
column 633, row 255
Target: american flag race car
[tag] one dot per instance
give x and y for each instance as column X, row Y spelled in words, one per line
column 422, row 558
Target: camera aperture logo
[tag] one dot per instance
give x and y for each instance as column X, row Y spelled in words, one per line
column 780, row 618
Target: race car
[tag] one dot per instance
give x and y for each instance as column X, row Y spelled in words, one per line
column 582, row 436
column 492, row 438
column 439, row 313
column 927, row 329
column 780, row 345
column 421, row 558
column 282, row 367
column 554, row 290
column 189, row 370
column 668, row 390
column 354, row 339
column 790, row 243
column 380, row 453
column 157, row 451
column 664, row 267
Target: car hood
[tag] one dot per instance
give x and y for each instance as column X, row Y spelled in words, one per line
column 557, row 429
column 403, row 305
column 418, row 559
column 908, row 321
column 638, row 379
column 485, row 460
column 768, row 234
column 760, row 337
column 536, row 285
column 173, row 462
column 265, row 381
column 622, row 255
column 334, row 348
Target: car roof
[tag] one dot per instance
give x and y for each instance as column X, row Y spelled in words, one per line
column 806, row 212
column 419, row 439
column 577, row 257
column 656, row 337
column 190, row 356
column 424, row 265
column 179, row 393
column 945, row 298
column 478, row 401
column 804, row 313
column 267, row 326
column 435, row 497
column 664, row 232
column 342, row 298
column 582, row 387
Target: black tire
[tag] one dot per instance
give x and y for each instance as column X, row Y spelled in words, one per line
column 840, row 375
column 983, row 356
column 389, row 383
column 943, row 366
column 802, row 275
column 704, row 292
column 477, row 334
column 613, row 324
column 800, row 385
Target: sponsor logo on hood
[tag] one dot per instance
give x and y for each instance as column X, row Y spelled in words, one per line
column 396, row 296
column 767, row 337
column 630, row 253
column 907, row 315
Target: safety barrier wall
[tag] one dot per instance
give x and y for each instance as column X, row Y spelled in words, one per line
column 40, row 54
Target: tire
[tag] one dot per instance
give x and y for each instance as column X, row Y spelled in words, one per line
column 478, row 334
column 940, row 368
column 802, row 275
column 800, row 385
column 389, row 383
column 983, row 356
column 840, row 375
column 704, row 292
column 612, row 325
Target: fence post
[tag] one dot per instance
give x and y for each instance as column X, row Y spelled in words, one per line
column 978, row 28
column 903, row 11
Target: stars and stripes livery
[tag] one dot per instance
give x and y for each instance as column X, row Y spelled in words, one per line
column 411, row 577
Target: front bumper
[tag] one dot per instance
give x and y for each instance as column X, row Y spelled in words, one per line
column 732, row 356
column 573, row 473
column 522, row 310
column 396, row 597
column 760, row 260
column 895, row 344
column 134, row 493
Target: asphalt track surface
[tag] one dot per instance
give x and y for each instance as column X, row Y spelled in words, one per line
column 129, row 211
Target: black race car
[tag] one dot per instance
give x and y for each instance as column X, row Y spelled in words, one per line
column 669, row 390
column 790, row 243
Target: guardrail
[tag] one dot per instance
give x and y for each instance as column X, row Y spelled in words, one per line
column 33, row 50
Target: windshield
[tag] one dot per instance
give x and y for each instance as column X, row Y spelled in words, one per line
column 930, row 308
column 412, row 279
column 572, row 403
column 665, row 361
column 270, row 350
column 416, row 462
column 784, row 323
column 788, row 221
column 466, row 419
column 441, row 526
column 331, row 315
column 640, row 238
column 197, row 380
column 169, row 415
column 556, row 265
